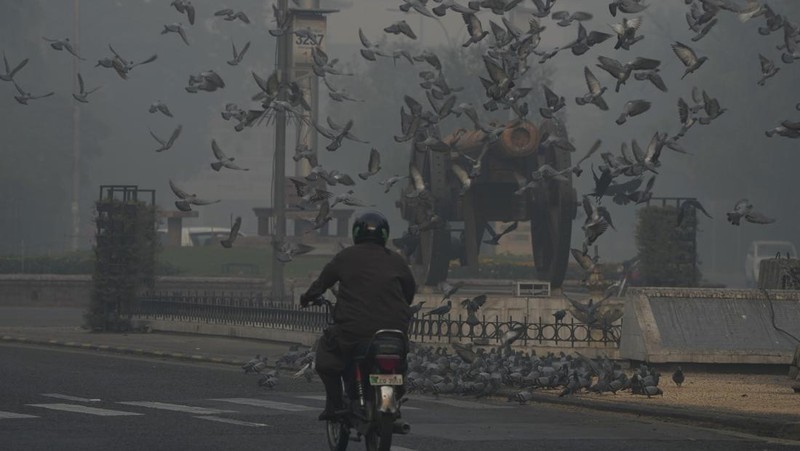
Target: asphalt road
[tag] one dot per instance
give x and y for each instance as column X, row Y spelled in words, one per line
column 70, row 400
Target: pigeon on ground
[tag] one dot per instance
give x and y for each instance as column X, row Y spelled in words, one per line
column 678, row 377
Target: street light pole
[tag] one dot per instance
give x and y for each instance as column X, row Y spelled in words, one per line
column 76, row 134
column 279, row 161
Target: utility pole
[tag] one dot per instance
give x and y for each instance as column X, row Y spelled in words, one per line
column 76, row 133
column 279, row 169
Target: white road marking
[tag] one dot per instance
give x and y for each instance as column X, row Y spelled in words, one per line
column 177, row 407
column 463, row 404
column 70, row 398
column 231, row 421
column 268, row 404
column 8, row 415
column 84, row 409
column 322, row 398
column 400, row 448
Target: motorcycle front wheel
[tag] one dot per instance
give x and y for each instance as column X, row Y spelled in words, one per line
column 338, row 435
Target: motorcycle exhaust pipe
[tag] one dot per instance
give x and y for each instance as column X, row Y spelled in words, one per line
column 401, row 427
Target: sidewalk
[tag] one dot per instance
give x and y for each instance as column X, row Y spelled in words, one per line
column 757, row 404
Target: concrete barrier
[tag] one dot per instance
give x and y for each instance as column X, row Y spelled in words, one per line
column 670, row 325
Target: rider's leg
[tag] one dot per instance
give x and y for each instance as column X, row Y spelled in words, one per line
column 329, row 365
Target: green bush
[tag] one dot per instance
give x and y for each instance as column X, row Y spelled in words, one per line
column 70, row 263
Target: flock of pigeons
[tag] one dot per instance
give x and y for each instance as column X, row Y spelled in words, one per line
column 480, row 373
column 506, row 59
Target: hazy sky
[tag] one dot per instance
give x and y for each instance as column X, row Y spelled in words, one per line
column 730, row 159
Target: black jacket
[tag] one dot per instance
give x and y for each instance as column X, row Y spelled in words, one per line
column 376, row 288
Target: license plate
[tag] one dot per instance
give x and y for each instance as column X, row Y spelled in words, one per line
column 385, row 379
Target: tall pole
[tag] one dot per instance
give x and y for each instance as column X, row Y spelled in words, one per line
column 279, row 179
column 76, row 133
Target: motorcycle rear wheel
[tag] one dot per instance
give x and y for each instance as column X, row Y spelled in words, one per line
column 379, row 438
column 338, row 435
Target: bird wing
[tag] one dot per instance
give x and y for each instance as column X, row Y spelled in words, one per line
column 217, row 151
column 510, row 228
column 178, row 192
column 496, row 72
column 594, row 148
column 611, row 66
column 685, row 54
column 591, row 81
column 80, row 83
column 324, row 212
column 551, row 97
column 364, row 41
column 175, row 134
column 758, row 218
column 374, row 164
column 160, row 141
column 582, row 259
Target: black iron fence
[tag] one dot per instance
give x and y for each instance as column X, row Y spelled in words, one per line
column 258, row 310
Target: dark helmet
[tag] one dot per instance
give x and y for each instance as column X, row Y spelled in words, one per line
column 371, row 226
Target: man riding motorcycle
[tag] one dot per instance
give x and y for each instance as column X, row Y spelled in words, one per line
column 376, row 289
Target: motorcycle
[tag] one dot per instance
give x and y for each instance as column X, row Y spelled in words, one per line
column 371, row 384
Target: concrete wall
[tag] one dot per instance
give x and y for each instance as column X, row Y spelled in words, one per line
column 710, row 326
column 49, row 290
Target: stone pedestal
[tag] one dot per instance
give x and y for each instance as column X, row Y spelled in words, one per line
column 175, row 225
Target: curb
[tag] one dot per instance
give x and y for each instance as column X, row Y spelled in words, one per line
column 119, row 350
column 777, row 428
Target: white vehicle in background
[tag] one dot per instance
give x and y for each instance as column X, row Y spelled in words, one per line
column 199, row 236
column 762, row 250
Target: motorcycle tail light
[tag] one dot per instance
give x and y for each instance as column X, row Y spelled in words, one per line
column 388, row 363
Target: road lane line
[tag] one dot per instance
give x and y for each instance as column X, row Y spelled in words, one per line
column 75, row 408
column 268, row 404
column 322, row 398
column 10, row 415
column 400, row 448
column 231, row 421
column 177, row 407
column 70, row 398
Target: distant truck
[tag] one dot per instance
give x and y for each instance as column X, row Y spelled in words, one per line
column 762, row 250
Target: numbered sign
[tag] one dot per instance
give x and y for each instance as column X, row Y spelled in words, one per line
column 310, row 31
